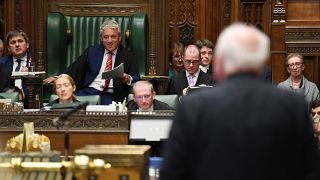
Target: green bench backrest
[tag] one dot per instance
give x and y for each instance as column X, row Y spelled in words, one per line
column 63, row 48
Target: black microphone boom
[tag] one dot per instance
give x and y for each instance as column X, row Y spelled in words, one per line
column 64, row 116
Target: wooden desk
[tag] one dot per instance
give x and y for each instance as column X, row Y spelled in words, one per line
column 84, row 128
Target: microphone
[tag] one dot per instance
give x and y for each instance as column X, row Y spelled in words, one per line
column 64, row 116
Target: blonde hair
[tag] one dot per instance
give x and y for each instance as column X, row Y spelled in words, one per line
column 70, row 79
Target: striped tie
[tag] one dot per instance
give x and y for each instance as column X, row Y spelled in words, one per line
column 108, row 68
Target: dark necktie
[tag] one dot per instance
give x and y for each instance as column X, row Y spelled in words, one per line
column 19, row 65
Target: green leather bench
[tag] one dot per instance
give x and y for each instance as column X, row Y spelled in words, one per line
column 93, row 99
column 68, row 36
column 14, row 96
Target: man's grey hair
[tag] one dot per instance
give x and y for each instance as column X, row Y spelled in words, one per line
column 109, row 23
column 1, row 42
column 139, row 83
column 242, row 47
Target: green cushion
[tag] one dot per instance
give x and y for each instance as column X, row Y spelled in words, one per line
column 92, row 99
column 171, row 99
column 63, row 49
column 14, row 96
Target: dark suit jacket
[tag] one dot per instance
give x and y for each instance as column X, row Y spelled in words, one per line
column 5, row 77
column 157, row 105
column 180, row 81
column 243, row 129
column 7, row 63
column 87, row 67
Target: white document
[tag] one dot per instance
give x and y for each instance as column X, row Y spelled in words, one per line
column 15, row 74
column 116, row 72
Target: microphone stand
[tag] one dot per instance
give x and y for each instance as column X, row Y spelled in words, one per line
column 63, row 118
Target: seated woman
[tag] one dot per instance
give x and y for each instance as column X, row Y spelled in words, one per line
column 64, row 87
column 296, row 82
column 175, row 59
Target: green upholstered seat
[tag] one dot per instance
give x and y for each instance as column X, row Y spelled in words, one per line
column 92, row 99
column 14, row 96
column 68, row 36
column 171, row 99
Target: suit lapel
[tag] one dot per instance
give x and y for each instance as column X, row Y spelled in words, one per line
column 118, row 59
column 97, row 60
column 200, row 78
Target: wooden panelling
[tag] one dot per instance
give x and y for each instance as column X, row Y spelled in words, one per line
column 303, row 11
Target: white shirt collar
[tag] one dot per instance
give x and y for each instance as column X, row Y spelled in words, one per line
column 196, row 74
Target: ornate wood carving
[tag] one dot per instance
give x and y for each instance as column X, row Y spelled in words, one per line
column 182, row 21
column 92, row 9
column 304, row 40
column 279, row 12
column 18, row 15
column 80, row 121
column 227, row 12
column 152, row 70
column 40, row 55
column 253, row 12
column 306, row 50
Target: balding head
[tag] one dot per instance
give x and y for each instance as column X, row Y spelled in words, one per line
column 191, row 59
column 240, row 48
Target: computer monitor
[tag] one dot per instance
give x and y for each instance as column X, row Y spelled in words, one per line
column 150, row 127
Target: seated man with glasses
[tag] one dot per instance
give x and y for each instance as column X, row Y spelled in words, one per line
column 297, row 82
column 144, row 98
column 192, row 75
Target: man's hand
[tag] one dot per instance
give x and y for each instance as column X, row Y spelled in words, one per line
column 49, row 80
column 126, row 78
column 185, row 91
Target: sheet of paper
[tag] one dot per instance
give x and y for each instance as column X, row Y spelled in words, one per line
column 116, row 72
column 15, row 74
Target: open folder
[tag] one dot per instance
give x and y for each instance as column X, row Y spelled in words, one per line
column 116, row 72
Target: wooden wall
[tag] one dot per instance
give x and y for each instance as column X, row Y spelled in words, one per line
column 293, row 25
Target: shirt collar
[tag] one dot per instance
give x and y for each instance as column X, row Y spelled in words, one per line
column 148, row 110
column 23, row 59
column 196, row 74
column 114, row 52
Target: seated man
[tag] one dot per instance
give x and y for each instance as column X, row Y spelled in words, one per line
column 64, row 87
column 19, row 59
column 144, row 98
column 88, row 68
column 192, row 75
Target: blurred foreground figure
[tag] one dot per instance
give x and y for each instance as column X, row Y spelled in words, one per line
column 243, row 128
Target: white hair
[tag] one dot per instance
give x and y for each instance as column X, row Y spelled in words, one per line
column 109, row 23
column 242, row 47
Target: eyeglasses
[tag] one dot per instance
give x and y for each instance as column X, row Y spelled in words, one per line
column 189, row 61
column 297, row 64
column 140, row 98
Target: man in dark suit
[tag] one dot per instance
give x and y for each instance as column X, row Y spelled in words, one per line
column 244, row 128
column 192, row 75
column 88, row 68
column 19, row 59
column 144, row 98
